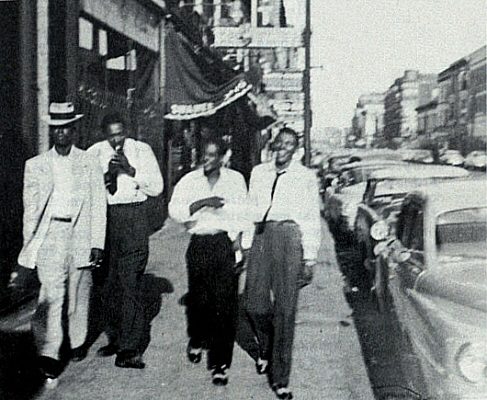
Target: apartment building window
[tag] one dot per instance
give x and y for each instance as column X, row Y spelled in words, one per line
column 462, row 80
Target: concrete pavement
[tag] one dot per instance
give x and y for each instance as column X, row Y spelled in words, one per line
column 328, row 363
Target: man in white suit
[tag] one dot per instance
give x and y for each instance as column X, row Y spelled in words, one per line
column 64, row 234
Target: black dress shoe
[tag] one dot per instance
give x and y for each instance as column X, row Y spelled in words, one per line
column 128, row 359
column 79, row 353
column 50, row 367
column 282, row 392
column 219, row 376
column 107, row 351
column 194, row 354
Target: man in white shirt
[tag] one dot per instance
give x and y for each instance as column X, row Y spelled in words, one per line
column 64, row 236
column 131, row 174
column 209, row 201
column 283, row 197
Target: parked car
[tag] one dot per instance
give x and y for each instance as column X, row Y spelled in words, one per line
column 417, row 155
column 452, row 157
column 342, row 198
column 433, row 272
column 476, row 160
column 333, row 166
column 382, row 199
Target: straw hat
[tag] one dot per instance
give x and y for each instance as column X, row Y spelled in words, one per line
column 61, row 114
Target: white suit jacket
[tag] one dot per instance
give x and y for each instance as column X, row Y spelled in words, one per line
column 89, row 194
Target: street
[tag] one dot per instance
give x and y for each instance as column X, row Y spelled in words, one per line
column 328, row 362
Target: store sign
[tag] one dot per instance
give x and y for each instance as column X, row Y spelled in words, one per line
column 287, row 107
column 189, row 93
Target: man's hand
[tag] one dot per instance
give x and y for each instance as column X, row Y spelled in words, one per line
column 120, row 160
column 307, row 273
column 213, row 202
column 96, row 257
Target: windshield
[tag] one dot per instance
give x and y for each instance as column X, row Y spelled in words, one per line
column 462, row 233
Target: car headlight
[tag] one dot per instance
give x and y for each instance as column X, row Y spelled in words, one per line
column 380, row 230
column 471, row 361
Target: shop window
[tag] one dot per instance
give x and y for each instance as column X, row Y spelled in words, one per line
column 85, row 34
column 102, row 42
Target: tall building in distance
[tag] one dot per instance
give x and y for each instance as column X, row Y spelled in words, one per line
column 458, row 105
column 400, row 103
column 368, row 120
column 476, row 78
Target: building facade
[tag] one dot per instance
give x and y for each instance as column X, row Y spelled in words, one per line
column 458, row 105
column 267, row 40
column 476, row 104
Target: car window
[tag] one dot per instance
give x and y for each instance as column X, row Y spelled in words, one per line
column 412, row 232
column 462, row 233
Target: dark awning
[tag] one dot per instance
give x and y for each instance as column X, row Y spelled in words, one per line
column 194, row 87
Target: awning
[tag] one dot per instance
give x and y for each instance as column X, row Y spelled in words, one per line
column 194, row 87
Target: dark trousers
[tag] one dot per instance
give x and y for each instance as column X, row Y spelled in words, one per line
column 274, row 266
column 128, row 252
column 212, row 296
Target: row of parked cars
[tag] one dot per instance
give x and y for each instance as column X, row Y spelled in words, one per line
column 476, row 159
column 419, row 235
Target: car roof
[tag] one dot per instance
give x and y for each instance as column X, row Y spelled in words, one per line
column 419, row 171
column 371, row 163
column 453, row 195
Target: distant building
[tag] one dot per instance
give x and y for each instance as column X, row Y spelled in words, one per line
column 476, row 81
column 460, row 107
column 368, row 120
column 427, row 118
column 400, row 103
column 329, row 138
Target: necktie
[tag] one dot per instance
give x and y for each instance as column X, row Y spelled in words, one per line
column 261, row 225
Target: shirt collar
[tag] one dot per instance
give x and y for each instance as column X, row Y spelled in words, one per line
column 58, row 156
column 290, row 167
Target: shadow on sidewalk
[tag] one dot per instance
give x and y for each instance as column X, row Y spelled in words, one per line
column 19, row 375
column 151, row 290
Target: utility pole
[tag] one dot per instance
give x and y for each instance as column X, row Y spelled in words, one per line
column 307, row 85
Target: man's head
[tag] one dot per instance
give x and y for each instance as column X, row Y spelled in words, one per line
column 285, row 145
column 62, row 135
column 113, row 126
column 61, row 120
column 213, row 151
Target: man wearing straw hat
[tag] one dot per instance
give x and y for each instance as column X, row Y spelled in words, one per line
column 64, row 234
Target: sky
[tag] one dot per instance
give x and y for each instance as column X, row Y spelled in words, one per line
column 361, row 46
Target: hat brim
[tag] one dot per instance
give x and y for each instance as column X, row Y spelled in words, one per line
column 60, row 122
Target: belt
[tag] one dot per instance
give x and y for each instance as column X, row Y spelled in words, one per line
column 61, row 219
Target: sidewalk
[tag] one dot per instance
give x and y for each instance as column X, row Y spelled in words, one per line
column 327, row 358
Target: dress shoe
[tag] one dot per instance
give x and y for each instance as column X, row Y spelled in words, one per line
column 194, row 354
column 107, row 351
column 50, row 367
column 219, row 376
column 79, row 353
column 282, row 392
column 128, row 359
column 262, row 366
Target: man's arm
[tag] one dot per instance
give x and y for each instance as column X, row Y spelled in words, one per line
column 98, row 206
column 148, row 176
column 30, row 199
column 311, row 223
